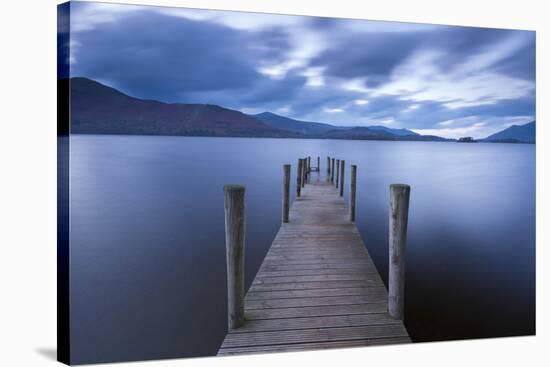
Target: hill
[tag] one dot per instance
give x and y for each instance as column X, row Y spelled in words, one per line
column 320, row 129
column 368, row 133
column 99, row 109
column 399, row 132
column 515, row 134
column 286, row 123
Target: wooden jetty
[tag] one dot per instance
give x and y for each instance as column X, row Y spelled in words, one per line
column 318, row 287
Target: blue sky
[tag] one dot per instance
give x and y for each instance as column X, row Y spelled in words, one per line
column 433, row 79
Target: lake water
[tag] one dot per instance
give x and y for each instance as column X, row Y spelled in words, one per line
column 147, row 235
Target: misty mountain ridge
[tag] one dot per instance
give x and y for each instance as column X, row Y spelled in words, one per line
column 515, row 134
column 99, row 109
column 321, row 129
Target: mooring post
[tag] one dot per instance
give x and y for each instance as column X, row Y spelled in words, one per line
column 299, row 177
column 308, row 165
column 332, row 171
column 304, row 171
column 352, row 188
column 337, row 171
column 318, row 164
column 286, row 192
column 342, row 166
column 233, row 196
column 399, row 213
column 328, row 167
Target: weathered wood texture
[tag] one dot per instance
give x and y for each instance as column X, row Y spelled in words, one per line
column 286, row 192
column 234, row 243
column 352, row 192
column 304, row 172
column 317, row 287
column 342, row 169
column 337, row 172
column 398, row 218
column 299, row 178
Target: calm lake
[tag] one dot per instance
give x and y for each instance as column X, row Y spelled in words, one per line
column 147, row 235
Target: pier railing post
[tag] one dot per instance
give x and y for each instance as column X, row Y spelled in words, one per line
column 332, row 171
column 299, row 177
column 328, row 167
column 399, row 213
column 352, row 192
column 234, row 245
column 286, row 192
column 304, row 171
column 337, row 172
column 342, row 166
column 308, row 169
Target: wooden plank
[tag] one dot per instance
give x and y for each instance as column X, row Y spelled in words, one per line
column 314, row 301
column 291, row 267
column 312, row 346
column 327, row 292
column 315, row 285
column 314, row 335
column 316, row 322
column 289, row 273
column 282, row 313
column 314, row 261
column 310, row 278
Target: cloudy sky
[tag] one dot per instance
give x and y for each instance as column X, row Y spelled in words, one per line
column 447, row 81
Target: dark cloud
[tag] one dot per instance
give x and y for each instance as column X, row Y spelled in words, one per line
column 371, row 55
column 156, row 56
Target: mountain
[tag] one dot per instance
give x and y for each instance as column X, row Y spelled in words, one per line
column 99, row 109
column 368, row 133
column 515, row 134
column 400, row 132
column 286, row 123
column 323, row 130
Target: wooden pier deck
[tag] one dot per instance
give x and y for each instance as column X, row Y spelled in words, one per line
column 318, row 287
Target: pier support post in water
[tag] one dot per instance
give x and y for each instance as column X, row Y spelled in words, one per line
column 332, row 171
column 328, row 167
column 299, row 177
column 319, row 164
column 304, row 171
column 352, row 191
column 233, row 197
column 286, row 192
column 342, row 166
column 337, row 172
column 399, row 214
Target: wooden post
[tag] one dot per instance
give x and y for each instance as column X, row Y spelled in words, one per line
column 328, row 167
column 286, row 192
column 332, row 171
column 399, row 213
column 337, row 171
column 299, row 178
column 308, row 169
column 318, row 164
column 304, row 171
column 352, row 191
column 233, row 196
column 342, row 166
